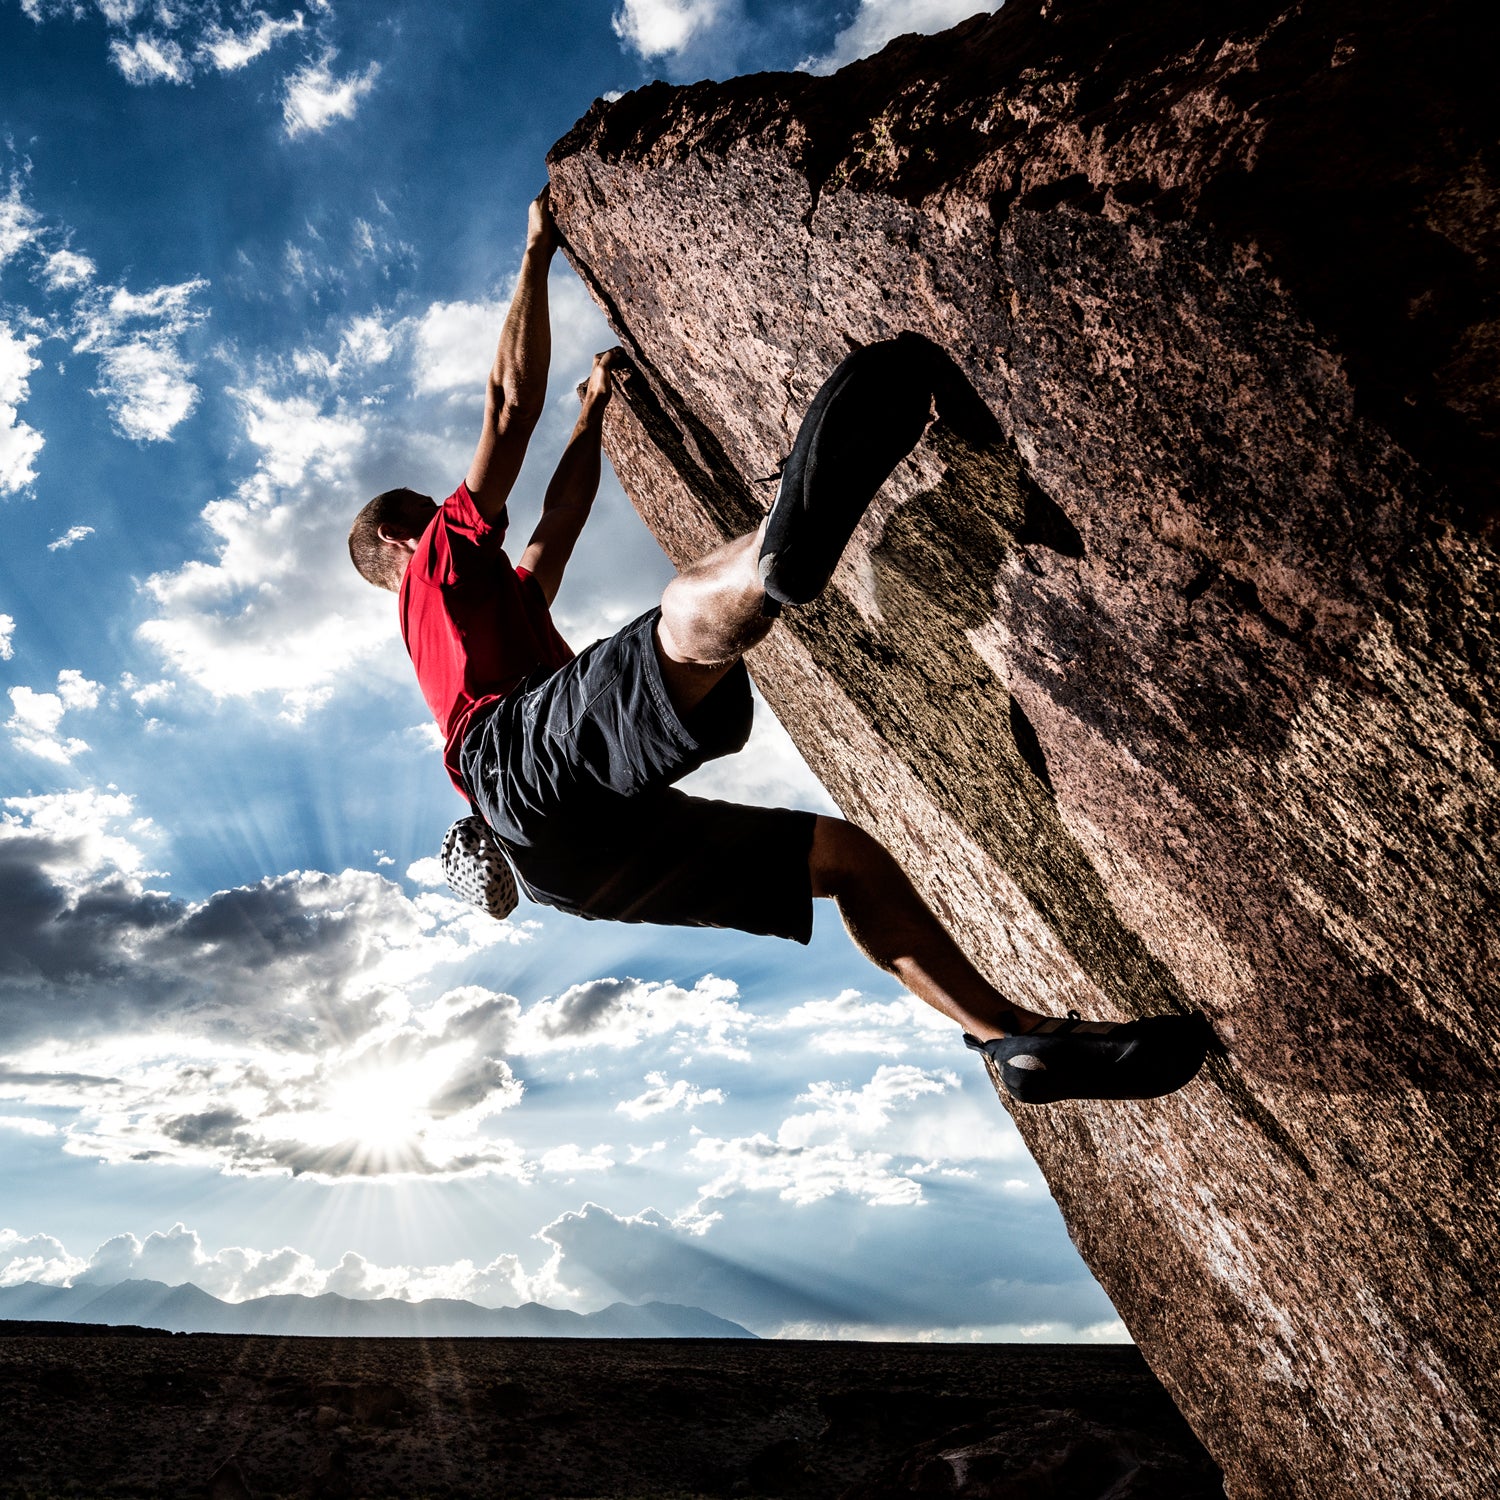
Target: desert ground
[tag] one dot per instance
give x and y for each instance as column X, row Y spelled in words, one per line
column 86, row 1411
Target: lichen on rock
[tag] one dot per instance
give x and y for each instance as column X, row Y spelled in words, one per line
column 1181, row 694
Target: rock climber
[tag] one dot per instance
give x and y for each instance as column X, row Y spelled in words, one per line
column 571, row 759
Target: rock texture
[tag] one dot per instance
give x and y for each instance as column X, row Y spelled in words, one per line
column 1182, row 692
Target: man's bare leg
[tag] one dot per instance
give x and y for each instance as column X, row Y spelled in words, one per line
column 711, row 614
column 892, row 926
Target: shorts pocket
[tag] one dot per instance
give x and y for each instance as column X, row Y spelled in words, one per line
column 574, row 706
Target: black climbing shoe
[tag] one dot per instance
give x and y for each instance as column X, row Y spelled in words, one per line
column 867, row 416
column 1078, row 1059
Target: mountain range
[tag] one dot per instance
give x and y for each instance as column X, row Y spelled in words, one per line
column 189, row 1309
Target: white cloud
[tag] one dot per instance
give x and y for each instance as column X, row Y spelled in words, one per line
column 425, row 737
column 145, row 694
column 19, row 443
column 654, row 28
column 815, row 1154
column 78, row 839
column 851, row 1023
column 627, row 1012
column 565, row 1160
column 266, row 1029
column 71, row 537
column 276, row 608
column 35, row 1257
column 18, row 223
column 148, row 58
column 144, row 51
column 455, row 346
column 877, row 22
column 842, row 1112
column 314, row 98
column 230, row 50
column 427, row 871
column 661, row 1096
column 178, row 1255
column 366, row 341
column 453, row 343
column 65, row 269
column 874, row 1143
column 35, row 717
column 279, row 610
column 7, row 637
column 145, row 378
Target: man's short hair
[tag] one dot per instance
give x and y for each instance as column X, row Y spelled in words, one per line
column 365, row 547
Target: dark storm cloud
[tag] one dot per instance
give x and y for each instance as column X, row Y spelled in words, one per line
column 76, row 963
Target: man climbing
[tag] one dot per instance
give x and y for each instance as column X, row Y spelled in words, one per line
column 571, row 759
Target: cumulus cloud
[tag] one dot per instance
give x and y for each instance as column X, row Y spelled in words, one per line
column 656, row 28
column 73, row 839
column 234, row 1273
column 35, row 717
column 803, row 1174
column 661, row 1096
column 144, row 376
column 569, row 1159
column 315, row 98
column 264, row 1029
column 71, row 537
column 629, row 1011
column 876, row 22
column 35, row 1257
column 455, row 346
column 453, row 343
column 874, row 1143
column 19, row 442
column 279, row 610
column 850, row 1022
column 862, row 1284
column 7, row 637
column 276, row 609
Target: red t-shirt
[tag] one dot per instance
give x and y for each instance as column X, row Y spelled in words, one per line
column 473, row 625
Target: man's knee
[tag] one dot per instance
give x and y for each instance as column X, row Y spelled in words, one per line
column 842, row 856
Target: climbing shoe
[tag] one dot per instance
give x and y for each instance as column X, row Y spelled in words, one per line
column 866, row 417
column 1076, row 1059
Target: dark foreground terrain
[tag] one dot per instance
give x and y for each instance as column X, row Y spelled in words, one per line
column 133, row 1412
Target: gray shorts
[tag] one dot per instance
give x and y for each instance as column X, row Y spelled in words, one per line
column 574, row 771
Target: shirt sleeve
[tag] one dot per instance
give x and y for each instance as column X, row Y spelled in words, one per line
column 461, row 541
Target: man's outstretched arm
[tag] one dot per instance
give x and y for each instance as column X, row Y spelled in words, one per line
column 570, row 495
column 517, row 389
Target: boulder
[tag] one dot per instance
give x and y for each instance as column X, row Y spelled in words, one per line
column 1180, row 692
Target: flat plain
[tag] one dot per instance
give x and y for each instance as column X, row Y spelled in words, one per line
column 90, row 1411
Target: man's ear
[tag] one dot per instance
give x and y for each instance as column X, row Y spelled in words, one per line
column 394, row 532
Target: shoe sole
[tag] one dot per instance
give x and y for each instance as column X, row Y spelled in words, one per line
column 1164, row 1054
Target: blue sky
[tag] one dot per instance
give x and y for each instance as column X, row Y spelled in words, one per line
column 253, row 263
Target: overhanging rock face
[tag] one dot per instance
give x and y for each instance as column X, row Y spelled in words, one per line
column 1182, row 694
